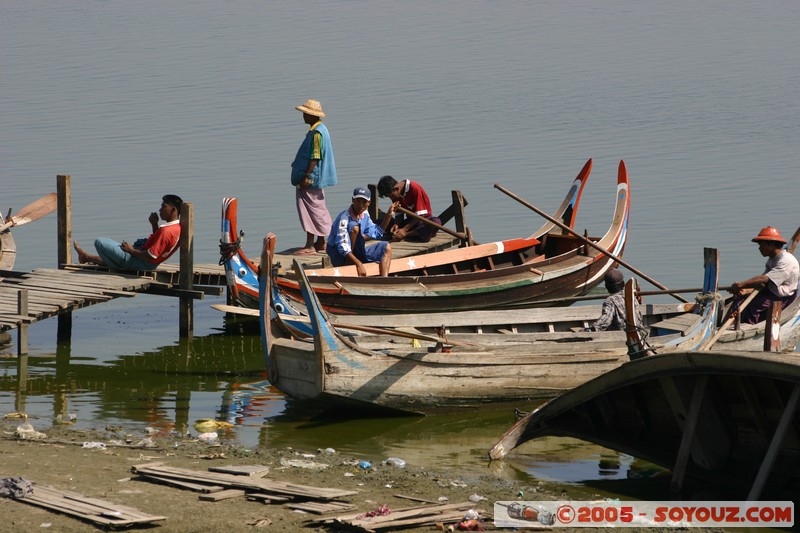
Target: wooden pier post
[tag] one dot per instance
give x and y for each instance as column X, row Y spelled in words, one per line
column 22, row 329
column 64, row 246
column 186, row 306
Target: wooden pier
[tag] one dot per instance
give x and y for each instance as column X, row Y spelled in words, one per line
column 27, row 297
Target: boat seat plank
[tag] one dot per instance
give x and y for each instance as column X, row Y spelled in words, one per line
column 680, row 323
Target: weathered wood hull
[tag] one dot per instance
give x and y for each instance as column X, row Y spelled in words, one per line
column 338, row 370
column 722, row 416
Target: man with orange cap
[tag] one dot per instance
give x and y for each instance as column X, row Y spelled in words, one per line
column 779, row 279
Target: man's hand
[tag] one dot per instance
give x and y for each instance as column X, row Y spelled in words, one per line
column 361, row 269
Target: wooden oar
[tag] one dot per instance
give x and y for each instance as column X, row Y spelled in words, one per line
column 793, row 242
column 586, row 241
column 33, row 211
column 710, row 342
column 356, row 327
column 435, row 225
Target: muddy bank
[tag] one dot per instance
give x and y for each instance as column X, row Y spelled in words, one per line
column 62, row 461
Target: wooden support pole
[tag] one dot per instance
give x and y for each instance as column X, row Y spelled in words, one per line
column 772, row 327
column 775, row 445
column 64, row 246
column 373, row 205
column 186, row 280
column 22, row 329
column 460, row 215
column 679, row 470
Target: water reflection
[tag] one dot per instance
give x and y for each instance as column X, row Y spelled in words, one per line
column 221, row 376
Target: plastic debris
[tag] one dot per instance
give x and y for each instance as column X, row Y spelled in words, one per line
column 26, row 431
column 475, row 498
column 470, row 525
column 208, row 437
column 326, row 450
column 472, row 514
column 208, row 424
column 94, row 445
column 15, row 487
column 383, row 510
column 303, row 463
column 364, row 465
column 394, row 461
column 15, row 415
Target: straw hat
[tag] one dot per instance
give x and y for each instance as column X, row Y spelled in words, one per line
column 769, row 234
column 311, row 107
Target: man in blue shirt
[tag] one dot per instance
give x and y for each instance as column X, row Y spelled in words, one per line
column 346, row 242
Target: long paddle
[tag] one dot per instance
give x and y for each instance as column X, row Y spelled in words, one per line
column 33, row 211
column 356, row 327
column 587, row 241
column 710, row 342
column 435, row 225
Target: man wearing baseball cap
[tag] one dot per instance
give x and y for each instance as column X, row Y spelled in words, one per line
column 347, row 240
column 779, row 279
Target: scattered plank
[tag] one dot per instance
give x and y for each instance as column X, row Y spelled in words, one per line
column 93, row 510
column 406, row 517
column 322, row 508
column 196, row 487
column 266, row 498
column 241, row 470
column 222, row 495
column 262, row 485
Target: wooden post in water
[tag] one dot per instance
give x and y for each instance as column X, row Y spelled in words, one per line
column 64, row 246
column 772, row 328
column 373, row 206
column 22, row 330
column 186, row 281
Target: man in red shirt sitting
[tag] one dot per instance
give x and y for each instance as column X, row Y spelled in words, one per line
column 411, row 196
column 144, row 254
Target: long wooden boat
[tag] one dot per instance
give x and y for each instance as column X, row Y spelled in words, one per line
column 509, row 274
column 726, row 417
column 336, row 369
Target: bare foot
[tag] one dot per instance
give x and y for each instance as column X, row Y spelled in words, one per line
column 83, row 257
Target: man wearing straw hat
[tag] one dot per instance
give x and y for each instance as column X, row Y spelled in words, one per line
column 313, row 169
column 779, row 279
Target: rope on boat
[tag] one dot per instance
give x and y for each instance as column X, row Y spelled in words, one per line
column 228, row 249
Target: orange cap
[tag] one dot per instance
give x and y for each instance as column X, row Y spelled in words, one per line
column 769, row 234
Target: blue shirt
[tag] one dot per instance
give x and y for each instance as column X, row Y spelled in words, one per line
column 339, row 237
column 324, row 173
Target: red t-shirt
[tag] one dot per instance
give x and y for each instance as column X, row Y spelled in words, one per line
column 163, row 243
column 415, row 199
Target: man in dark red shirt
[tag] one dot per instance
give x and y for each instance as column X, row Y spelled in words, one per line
column 411, row 196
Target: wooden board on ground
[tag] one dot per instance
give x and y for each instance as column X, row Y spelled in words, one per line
column 266, row 498
column 241, row 470
column 322, row 508
column 406, row 517
column 221, row 495
column 94, row 510
column 241, row 482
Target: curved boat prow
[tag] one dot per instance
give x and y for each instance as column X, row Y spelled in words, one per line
column 241, row 273
column 569, row 207
column 264, row 300
column 323, row 332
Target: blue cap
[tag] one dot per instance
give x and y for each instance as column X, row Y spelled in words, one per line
column 361, row 192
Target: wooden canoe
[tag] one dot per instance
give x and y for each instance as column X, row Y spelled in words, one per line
column 511, row 273
column 726, row 417
column 340, row 370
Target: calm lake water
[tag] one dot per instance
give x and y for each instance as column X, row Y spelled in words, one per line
column 138, row 99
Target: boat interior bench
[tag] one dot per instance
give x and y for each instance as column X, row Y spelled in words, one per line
column 678, row 324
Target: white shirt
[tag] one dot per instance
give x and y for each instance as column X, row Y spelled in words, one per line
column 783, row 272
